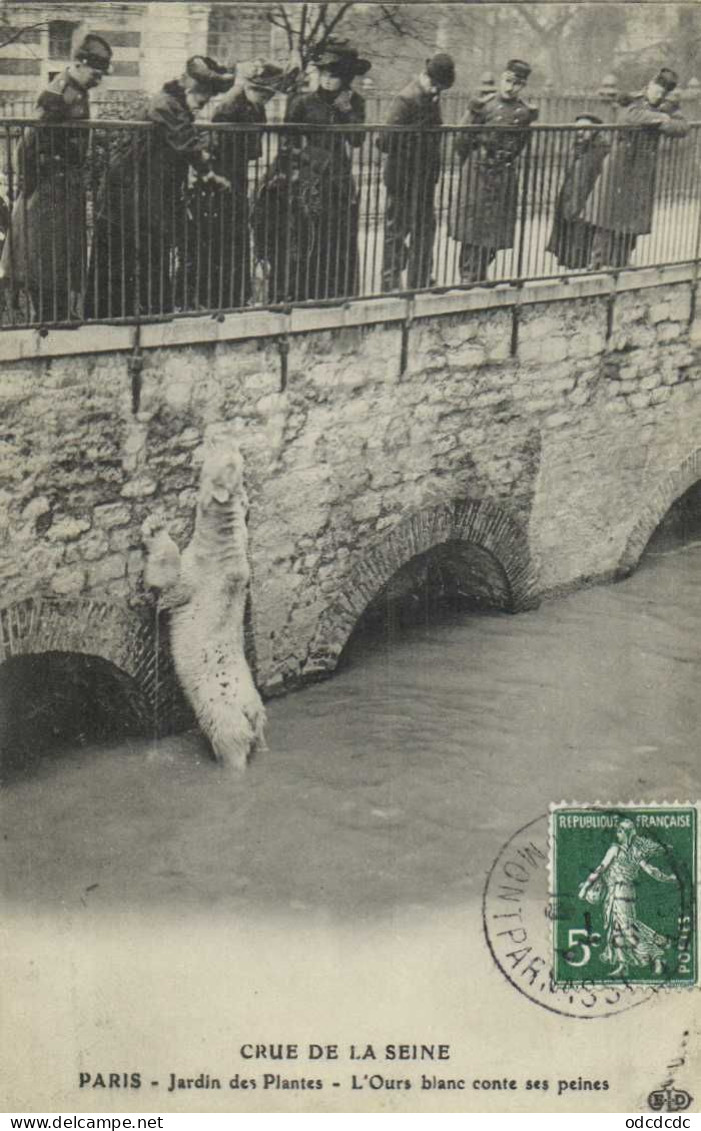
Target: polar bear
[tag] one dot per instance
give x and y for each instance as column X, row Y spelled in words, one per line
column 205, row 592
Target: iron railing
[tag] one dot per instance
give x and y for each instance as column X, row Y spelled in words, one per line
column 104, row 222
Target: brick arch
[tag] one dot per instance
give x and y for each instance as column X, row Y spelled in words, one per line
column 665, row 494
column 113, row 632
column 470, row 521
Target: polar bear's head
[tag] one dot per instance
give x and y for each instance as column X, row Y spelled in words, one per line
column 221, row 481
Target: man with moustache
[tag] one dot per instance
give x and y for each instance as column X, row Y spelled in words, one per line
column 484, row 210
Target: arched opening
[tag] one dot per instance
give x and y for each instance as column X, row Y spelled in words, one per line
column 58, row 701
column 439, row 584
column 474, row 549
column 672, row 504
column 680, row 525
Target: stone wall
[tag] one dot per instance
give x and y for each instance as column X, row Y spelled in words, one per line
column 555, row 461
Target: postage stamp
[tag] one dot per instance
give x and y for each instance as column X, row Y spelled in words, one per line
column 624, row 892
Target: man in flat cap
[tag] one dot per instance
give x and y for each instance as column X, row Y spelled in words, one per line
column 571, row 237
column 411, row 173
column 484, row 210
column 45, row 250
column 621, row 205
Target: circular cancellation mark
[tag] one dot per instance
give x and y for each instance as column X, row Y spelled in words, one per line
column 517, row 910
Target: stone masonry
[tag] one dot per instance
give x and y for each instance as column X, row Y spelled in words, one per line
column 557, row 462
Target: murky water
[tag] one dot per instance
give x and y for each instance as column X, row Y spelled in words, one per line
column 394, row 784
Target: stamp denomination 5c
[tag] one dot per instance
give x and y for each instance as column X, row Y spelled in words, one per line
column 624, row 890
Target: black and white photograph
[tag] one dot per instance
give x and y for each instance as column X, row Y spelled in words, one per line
column 350, row 556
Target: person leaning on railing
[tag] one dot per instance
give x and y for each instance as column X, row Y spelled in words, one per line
column 412, row 170
column 621, row 206
column 141, row 230
column 306, row 215
column 218, row 265
column 484, row 210
column 45, row 249
column 571, row 238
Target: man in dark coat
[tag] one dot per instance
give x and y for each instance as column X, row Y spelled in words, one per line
column 621, row 206
column 411, row 173
column 46, row 247
column 571, row 238
column 484, row 210
column 220, row 249
column 141, row 225
column 306, row 226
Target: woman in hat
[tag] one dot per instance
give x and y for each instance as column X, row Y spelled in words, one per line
column 45, row 250
column 220, row 251
column 141, row 229
column 307, row 222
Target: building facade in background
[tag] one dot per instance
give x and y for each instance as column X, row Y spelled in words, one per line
column 150, row 42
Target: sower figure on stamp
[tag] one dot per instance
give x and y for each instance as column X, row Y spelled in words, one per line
column 628, row 941
column 484, row 211
column 45, row 251
column 141, row 223
column 621, row 206
column 412, row 170
column 571, row 238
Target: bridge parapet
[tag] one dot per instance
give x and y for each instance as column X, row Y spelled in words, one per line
column 536, row 424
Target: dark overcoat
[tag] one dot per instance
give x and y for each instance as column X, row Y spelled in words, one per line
column 624, row 198
column 485, row 207
column 219, row 245
column 46, row 245
column 571, row 237
column 141, row 217
column 306, row 223
column 414, row 154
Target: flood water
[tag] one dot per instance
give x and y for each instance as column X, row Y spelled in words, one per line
column 393, row 785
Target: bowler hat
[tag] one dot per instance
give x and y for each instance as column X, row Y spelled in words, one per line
column 518, row 69
column 95, row 51
column 441, row 69
column 209, row 74
column 666, row 78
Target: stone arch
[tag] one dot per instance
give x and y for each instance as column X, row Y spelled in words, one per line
column 475, row 521
column 126, row 638
column 665, row 494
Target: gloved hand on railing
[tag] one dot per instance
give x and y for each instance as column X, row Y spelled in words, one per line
column 217, row 181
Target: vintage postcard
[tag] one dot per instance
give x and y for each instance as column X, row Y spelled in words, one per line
column 350, row 538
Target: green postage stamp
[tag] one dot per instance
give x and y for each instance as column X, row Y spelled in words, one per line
column 623, row 884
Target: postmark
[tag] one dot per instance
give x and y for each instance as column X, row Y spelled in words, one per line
column 624, row 881
column 520, row 913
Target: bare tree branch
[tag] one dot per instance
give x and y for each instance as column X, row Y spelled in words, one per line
column 388, row 15
column 318, row 22
column 20, row 32
column 530, row 19
column 303, row 22
column 337, row 18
